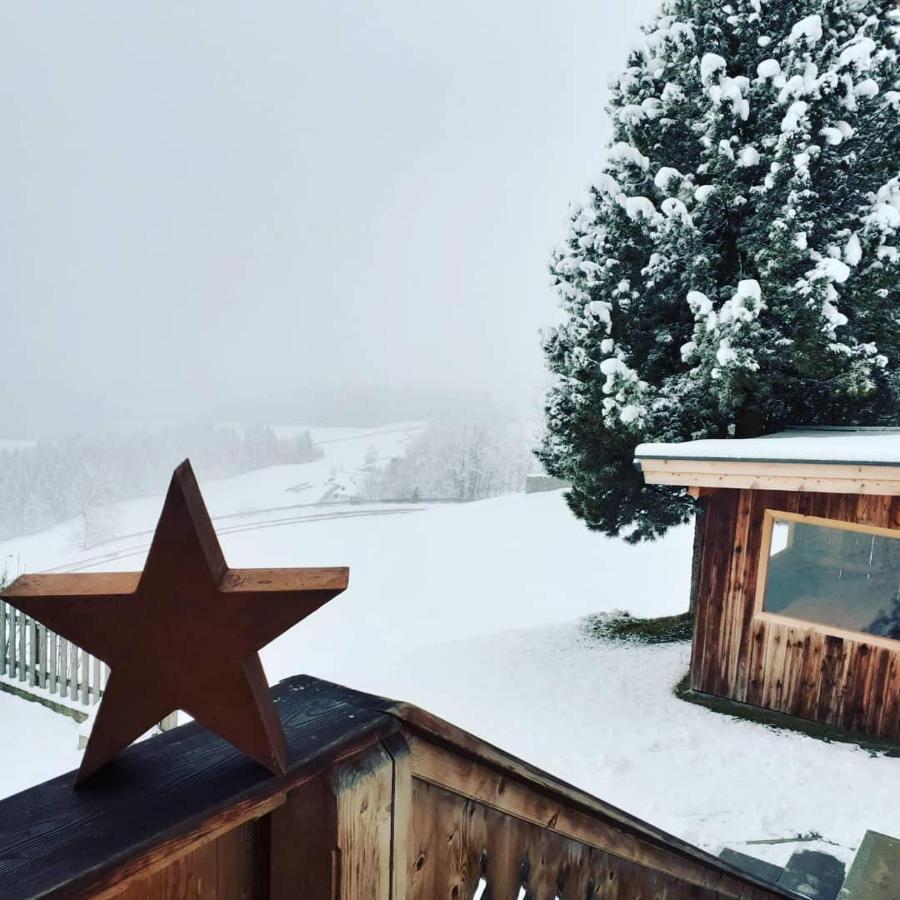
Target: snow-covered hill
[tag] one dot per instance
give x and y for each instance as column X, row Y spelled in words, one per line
column 471, row 611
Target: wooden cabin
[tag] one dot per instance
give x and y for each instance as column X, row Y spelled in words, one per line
column 797, row 571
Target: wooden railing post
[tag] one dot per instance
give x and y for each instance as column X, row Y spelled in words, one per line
column 332, row 839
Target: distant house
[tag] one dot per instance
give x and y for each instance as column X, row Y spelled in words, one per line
column 797, row 606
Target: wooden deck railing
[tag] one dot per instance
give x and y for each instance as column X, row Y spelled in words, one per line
column 32, row 656
column 381, row 801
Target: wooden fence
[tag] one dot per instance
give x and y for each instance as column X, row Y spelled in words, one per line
column 32, row 656
column 381, row 801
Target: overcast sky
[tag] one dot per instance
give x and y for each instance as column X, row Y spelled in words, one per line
column 207, row 200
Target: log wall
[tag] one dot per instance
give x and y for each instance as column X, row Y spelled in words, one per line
column 801, row 670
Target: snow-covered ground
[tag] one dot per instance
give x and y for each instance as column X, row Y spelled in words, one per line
column 471, row 611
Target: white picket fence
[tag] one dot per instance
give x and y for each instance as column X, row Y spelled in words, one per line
column 33, row 657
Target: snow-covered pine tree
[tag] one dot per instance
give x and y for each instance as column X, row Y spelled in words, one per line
column 737, row 265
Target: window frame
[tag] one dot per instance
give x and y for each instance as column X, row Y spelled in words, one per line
column 770, row 517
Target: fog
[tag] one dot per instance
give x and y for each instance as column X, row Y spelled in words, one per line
column 208, row 205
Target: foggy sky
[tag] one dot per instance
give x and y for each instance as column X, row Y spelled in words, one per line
column 206, row 201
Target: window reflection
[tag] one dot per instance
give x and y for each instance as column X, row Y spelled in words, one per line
column 834, row 576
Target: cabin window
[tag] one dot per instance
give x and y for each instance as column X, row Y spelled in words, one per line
column 835, row 574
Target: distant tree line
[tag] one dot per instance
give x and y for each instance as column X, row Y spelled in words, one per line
column 51, row 482
column 454, row 460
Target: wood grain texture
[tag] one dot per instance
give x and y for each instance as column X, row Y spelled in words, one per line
column 332, row 839
column 625, row 841
column 377, row 797
column 166, row 794
column 305, row 862
column 761, row 475
column 363, row 792
column 839, row 679
column 232, row 867
column 429, row 736
column 453, row 836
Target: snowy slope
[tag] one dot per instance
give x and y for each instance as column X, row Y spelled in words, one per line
column 277, row 492
column 471, row 611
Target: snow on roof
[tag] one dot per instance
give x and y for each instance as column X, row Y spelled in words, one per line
column 838, row 446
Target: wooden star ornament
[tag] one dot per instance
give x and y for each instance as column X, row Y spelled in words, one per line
column 183, row 634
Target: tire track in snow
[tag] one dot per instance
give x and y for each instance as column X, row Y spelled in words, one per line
column 136, row 550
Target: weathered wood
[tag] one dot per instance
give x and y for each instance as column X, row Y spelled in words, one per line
column 346, row 816
column 95, row 687
column 24, row 622
column 13, row 643
column 307, row 820
column 451, row 835
column 3, row 639
column 63, row 669
column 187, row 784
column 363, row 791
column 609, row 831
column 85, row 677
column 376, row 795
column 398, row 749
column 228, row 865
column 43, row 642
column 52, row 662
column 74, row 653
column 830, row 675
column 762, row 475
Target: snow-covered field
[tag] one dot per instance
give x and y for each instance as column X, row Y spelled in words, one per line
column 471, row 611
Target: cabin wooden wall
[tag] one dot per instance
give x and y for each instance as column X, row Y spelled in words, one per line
column 799, row 670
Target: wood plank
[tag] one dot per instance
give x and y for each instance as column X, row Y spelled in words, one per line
column 699, row 480
column 609, row 831
column 706, row 667
column 24, row 622
column 12, row 642
column 363, row 790
column 823, row 469
column 74, row 654
column 198, row 869
column 188, row 785
column 225, row 867
column 68, row 584
column 63, row 669
column 453, row 834
column 779, row 476
column 762, row 647
column 4, row 615
column 398, row 749
column 192, row 788
column 95, row 680
column 43, row 645
column 52, row 662
column 332, row 839
column 85, row 678
column 305, row 861
column 734, row 612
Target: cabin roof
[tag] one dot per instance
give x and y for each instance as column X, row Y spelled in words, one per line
column 828, row 460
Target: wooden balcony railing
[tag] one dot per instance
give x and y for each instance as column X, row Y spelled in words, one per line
column 381, row 800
